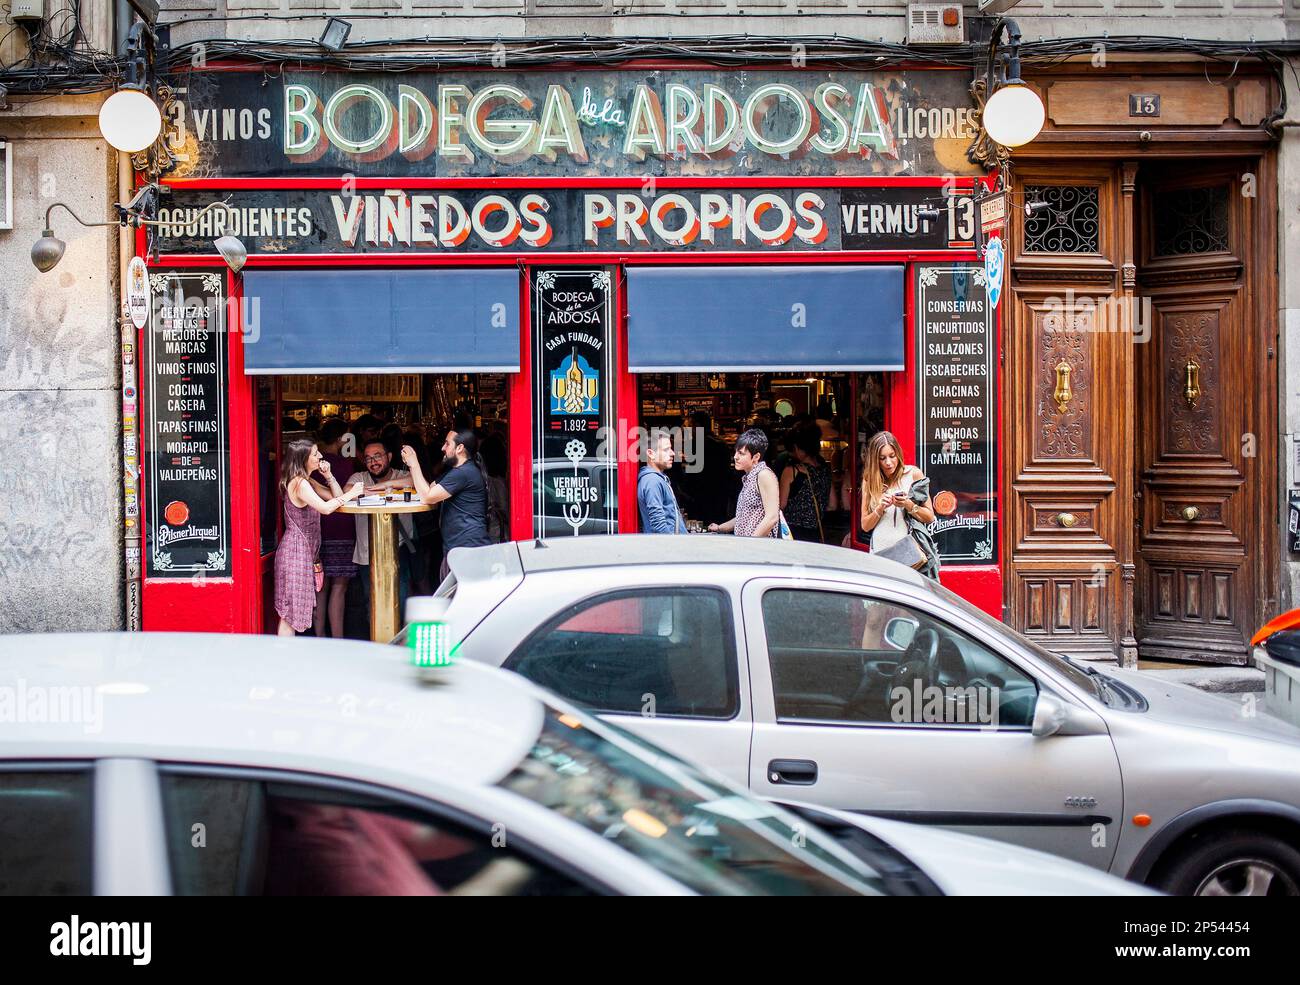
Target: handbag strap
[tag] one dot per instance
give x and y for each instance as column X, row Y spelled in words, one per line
column 812, row 491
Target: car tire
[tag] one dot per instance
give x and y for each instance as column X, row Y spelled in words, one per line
column 1234, row 863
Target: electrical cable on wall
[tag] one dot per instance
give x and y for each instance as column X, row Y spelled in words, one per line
column 70, row 66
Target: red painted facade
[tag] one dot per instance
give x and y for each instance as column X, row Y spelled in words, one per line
column 241, row 603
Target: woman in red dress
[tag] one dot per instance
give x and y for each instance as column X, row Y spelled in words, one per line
column 305, row 502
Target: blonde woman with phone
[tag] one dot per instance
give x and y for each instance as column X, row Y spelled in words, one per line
column 896, row 501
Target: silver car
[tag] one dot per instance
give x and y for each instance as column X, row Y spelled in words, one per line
column 148, row 764
column 854, row 683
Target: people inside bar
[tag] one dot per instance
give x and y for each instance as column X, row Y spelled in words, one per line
column 825, row 411
column 363, row 421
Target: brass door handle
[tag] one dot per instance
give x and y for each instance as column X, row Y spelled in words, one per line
column 1192, row 388
column 1062, row 394
column 1066, row 519
column 1191, row 513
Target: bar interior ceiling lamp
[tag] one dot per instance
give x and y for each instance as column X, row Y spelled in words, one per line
column 765, row 318
column 381, row 321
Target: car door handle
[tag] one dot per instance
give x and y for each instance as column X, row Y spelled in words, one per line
column 799, row 772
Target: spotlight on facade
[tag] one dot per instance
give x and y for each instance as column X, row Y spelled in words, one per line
column 129, row 119
column 232, row 250
column 335, row 35
column 1013, row 114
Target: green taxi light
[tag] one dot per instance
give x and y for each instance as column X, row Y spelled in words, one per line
column 430, row 644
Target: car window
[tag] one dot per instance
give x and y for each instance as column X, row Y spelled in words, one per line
column 657, row 652
column 1062, row 664
column 709, row 836
column 843, row 657
column 45, row 833
column 254, row 837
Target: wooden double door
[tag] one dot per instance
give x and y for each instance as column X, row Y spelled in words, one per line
column 1141, row 389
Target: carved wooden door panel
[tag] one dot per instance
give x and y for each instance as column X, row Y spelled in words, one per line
column 1200, row 507
column 1067, row 362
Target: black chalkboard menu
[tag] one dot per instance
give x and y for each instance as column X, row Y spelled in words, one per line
column 956, row 360
column 187, row 448
column 575, row 466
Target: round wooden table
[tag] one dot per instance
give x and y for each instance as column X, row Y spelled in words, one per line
column 385, row 576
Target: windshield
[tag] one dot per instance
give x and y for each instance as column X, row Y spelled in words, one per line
column 710, row 837
column 1058, row 662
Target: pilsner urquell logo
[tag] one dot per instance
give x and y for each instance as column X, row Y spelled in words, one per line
column 168, row 536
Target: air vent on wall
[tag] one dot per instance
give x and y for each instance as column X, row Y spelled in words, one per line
column 934, row 23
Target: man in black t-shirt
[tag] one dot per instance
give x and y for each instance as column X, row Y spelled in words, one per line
column 461, row 491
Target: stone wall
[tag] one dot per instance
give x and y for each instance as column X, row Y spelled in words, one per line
column 60, row 389
column 374, row 20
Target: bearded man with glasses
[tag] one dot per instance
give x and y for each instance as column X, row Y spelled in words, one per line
column 380, row 477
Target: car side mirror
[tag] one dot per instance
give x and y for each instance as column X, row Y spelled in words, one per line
column 1050, row 715
column 900, row 631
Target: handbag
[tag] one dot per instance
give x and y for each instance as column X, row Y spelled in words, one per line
column 318, row 571
column 906, row 552
column 783, row 528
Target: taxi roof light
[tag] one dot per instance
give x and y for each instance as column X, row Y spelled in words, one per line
column 427, row 634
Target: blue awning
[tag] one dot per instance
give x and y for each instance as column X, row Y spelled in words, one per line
column 381, row 321
column 764, row 319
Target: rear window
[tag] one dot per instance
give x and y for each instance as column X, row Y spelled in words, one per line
column 653, row 652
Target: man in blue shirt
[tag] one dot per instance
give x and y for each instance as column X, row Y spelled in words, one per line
column 654, row 493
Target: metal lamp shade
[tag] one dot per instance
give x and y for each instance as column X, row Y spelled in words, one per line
column 48, row 251
column 232, row 251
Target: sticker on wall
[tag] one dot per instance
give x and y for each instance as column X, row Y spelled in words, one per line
column 993, row 257
column 137, row 292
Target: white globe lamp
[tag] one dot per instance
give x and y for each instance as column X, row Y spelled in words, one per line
column 1014, row 115
column 129, row 120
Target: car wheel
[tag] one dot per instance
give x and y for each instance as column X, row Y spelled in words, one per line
column 1235, row 863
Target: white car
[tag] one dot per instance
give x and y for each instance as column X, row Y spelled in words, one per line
column 148, row 764
column 826, row 675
